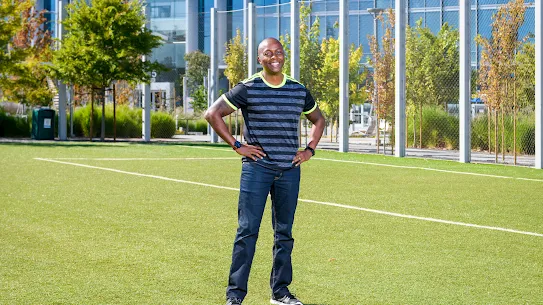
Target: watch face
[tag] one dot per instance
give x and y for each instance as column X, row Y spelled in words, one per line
column 237, row 144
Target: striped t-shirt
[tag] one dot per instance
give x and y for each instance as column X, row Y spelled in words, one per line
column 272, row 116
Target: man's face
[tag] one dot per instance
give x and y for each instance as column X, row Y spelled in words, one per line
column 271, row 56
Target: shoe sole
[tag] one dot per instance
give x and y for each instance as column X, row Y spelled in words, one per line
column 274, row 302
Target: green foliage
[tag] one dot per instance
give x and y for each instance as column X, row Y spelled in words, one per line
column 525, row 80
column 311, row 57
column 25, row 80
column 162, row 125
column 11, row 22
column 199, row 99
column 439, row 129
column 525, row 134
column 128, row 123
column 14, row 127
column 197, row 66
column 236, row 60
column 104, row 42
column 329, row 89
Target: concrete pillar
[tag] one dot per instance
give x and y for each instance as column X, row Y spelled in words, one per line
column 251, row 40
column 399, row 111
column 214, row 63
column 465, row 78
column 191, row 7
column 295, row 39
column 344, row 76
column 538, row 85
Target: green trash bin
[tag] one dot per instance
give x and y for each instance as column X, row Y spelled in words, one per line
column 43, row 124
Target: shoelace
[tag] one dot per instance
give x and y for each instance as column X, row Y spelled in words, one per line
column 235, row 301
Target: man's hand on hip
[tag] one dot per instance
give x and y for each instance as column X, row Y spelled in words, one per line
column 250, row 151
column 301, row 157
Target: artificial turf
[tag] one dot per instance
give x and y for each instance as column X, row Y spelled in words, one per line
column 79, row 235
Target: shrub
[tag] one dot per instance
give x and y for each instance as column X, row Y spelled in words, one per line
column 12, row 126
column 162, row 125
column 439, row 129
column 128, row 122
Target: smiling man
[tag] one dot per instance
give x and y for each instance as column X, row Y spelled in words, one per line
column 271, row 103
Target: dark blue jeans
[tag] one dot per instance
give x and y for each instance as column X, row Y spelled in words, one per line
column 256, row 183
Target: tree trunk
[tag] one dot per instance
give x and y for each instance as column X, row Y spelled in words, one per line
column 489, row 134
column 414, row 131
column 115, row 114
column 496, row 135
column 385, row 138
column 331, row 130
column 515, row 122
column 377, row 133
column 103, row 122
column 91, row 115
column 420, row 126
column 406, row 128
column 503, row 135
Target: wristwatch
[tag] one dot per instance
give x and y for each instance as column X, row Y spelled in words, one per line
column 237, row 145
column 311, row 150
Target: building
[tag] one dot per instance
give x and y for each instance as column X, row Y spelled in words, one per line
column 185, row 24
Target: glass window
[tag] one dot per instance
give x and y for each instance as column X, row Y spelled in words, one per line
column 485, row 21
column 433, row 22
column 450, row 2
column 165, row 55
column 180, row 8
column 484, row 2
column 414, row 17
column 433, row 3
column 529, row 23
column 353, row 30
column 331, row 29
column 333, row 6
column 365, row 4
column 285, row 26
column 385, row 3
column 451, row 18
column 416, row 3
column 170, row 29
column 366, row 29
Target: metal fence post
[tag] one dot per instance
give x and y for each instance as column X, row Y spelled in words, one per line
column 295, row 39
column 214, row 63
column 538, row 84
column 344, row 75
column 465, row 78
column 251, row 41
column 401, row 17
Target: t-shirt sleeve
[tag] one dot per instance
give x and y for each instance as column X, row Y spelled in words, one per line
column 236, row 97
column 310, row 104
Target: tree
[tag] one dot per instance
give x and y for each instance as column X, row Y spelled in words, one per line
column 498, row 69
column 311, row 57
column 236, row 66
column 329, row 90
column 383, row 72
column 27, row 82
column 105, row 42
column 11, row 22
column 197, row 66
column 432, row 70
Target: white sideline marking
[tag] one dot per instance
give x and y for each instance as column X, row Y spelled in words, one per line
column 431, row 169
column 147, row 159
column 303, row 200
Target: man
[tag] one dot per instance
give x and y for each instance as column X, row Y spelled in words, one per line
column 271, row 104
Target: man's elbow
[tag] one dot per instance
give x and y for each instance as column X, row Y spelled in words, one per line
column 208, row 115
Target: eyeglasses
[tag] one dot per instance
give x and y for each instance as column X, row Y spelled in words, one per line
column 269, row 54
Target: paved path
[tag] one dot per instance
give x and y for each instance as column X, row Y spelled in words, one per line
column 359, row 145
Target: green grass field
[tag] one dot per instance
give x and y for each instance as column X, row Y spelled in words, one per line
column 128, row 224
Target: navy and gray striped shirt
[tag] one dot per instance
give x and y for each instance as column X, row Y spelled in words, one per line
column 272, row 115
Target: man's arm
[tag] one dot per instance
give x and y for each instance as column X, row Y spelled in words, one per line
column 214, row 116
column 317, row 119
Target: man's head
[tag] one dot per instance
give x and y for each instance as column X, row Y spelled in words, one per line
column 271, row 55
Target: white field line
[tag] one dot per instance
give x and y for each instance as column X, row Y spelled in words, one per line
column 431, row 169
column 147, row 159
column 303, row 200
